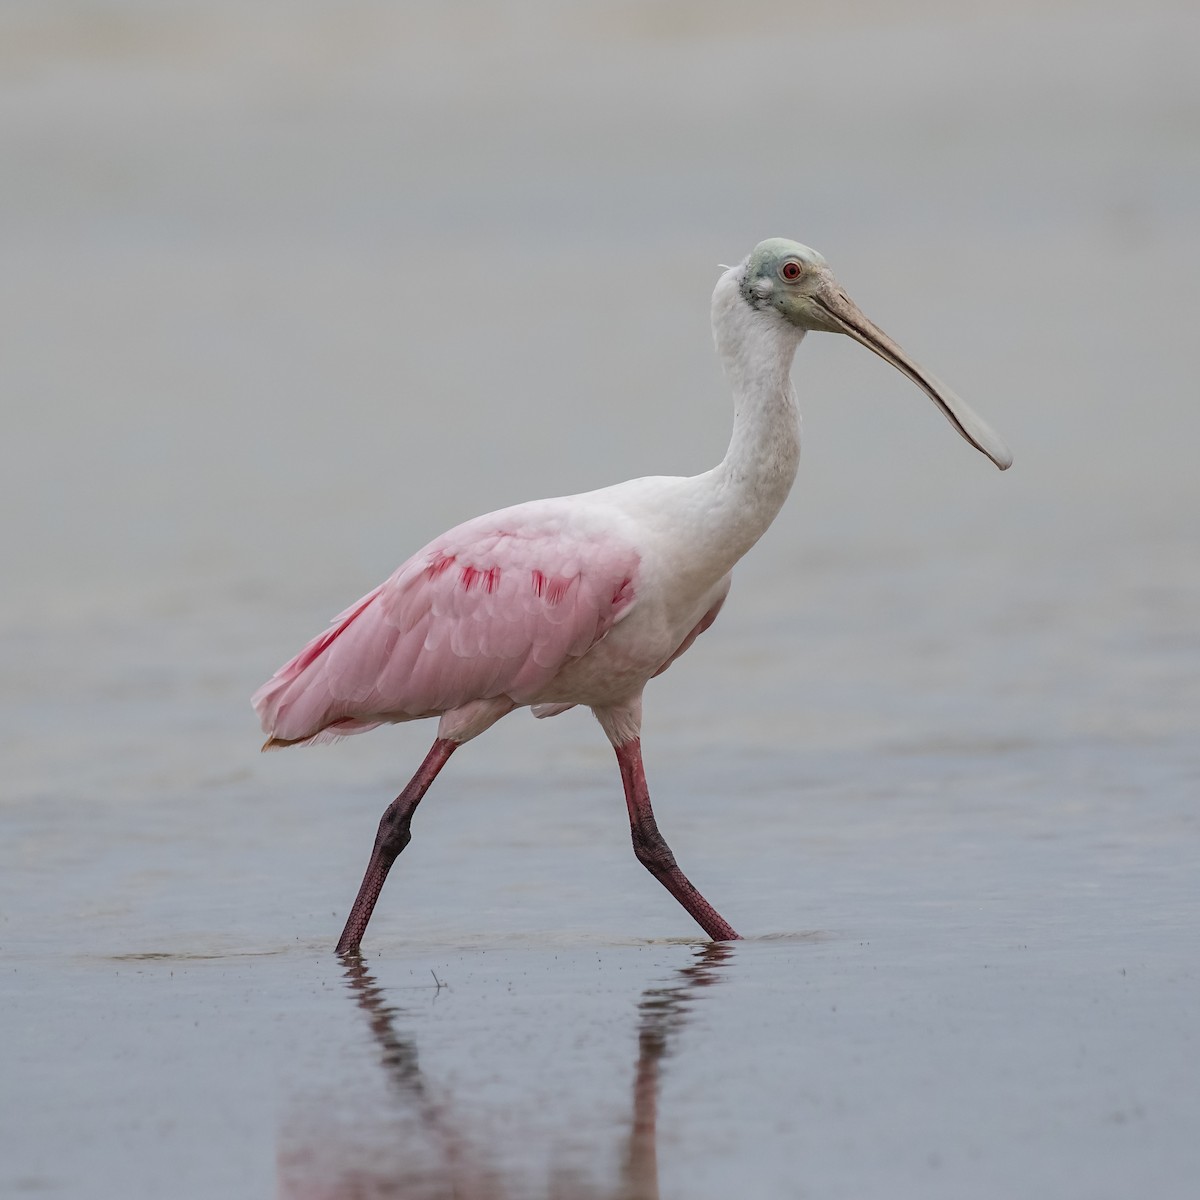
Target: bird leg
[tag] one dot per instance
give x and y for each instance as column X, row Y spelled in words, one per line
column 393, row 836
column 652, row 850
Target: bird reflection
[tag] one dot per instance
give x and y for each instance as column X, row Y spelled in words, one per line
column 662, row 1013
column 462, row 1169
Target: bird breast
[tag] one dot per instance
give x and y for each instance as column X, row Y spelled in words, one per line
column 672, row 606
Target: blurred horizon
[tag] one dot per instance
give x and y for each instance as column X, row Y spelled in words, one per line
column 244, row 240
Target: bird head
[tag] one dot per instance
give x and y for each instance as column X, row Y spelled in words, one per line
column 792, row 280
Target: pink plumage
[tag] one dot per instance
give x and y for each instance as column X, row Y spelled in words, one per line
column 494, row 608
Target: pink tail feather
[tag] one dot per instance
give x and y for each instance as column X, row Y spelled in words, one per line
column 293, row 705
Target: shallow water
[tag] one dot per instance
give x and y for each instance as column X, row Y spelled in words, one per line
column 287, row 291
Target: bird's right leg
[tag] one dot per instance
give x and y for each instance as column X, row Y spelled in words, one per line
column 392, row 837
column 648, row 844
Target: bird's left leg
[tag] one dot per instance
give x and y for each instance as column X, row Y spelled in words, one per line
column 457, row 725
column 392, row 837
column 648, row 843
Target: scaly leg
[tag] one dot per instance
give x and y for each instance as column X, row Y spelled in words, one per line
column 392, row 837
column 652, row 850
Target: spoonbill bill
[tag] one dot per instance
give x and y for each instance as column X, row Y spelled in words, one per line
column 583, row 599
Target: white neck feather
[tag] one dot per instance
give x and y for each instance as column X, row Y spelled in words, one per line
column 754, row 478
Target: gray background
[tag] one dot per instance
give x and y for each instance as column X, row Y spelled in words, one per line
column 289, row 288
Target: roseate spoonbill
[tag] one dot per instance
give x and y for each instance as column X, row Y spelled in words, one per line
column 584, row 599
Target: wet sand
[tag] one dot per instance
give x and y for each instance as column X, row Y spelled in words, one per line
column 288, row 291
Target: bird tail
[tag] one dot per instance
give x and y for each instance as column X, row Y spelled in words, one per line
column 274, row 743
column 295, row 705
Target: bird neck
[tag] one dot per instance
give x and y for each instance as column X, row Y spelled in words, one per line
column 757, row 472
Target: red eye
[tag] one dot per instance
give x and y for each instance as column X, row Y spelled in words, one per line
column 791, row 271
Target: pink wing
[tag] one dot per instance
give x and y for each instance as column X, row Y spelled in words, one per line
column 493, row 608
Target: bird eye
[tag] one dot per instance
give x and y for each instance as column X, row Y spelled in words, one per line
column 791, row 271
